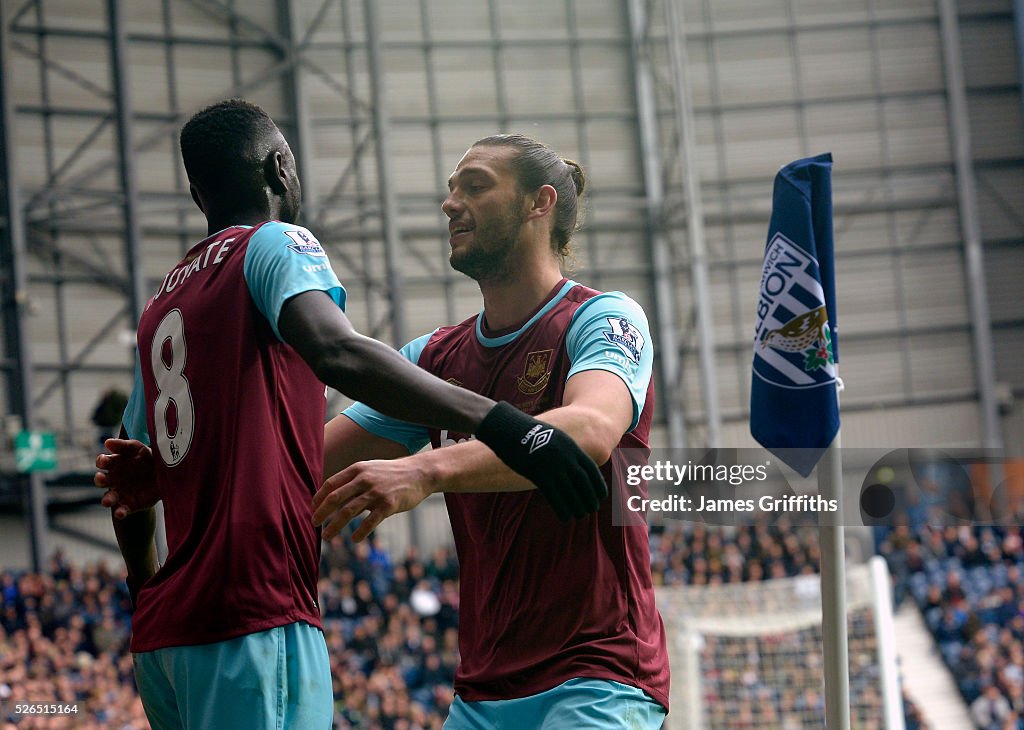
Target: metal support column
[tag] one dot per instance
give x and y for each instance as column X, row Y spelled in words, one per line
column 301, row 141
column 389, row 201
column 14, row 293
column 662, row 275
column 694, row 220
column 970, row 224
column 126, row 155
column 1018, row 25
column 389, row 212
column 123, row 112
column 59, row 284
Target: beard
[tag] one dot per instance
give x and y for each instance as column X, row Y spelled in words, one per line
column 489, row 257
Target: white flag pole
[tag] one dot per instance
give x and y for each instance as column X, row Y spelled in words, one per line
column 835, row 645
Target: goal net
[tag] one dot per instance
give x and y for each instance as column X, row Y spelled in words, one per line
column 749, row 655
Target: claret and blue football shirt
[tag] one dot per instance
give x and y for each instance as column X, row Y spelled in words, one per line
column 520, row 566
column 235, row 419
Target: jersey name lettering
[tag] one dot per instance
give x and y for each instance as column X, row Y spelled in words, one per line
column 178, row 276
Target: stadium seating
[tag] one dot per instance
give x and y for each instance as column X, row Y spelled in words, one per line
column 968, row 584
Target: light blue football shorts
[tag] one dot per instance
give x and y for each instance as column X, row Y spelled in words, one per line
column 279, row 679
column 580, row 704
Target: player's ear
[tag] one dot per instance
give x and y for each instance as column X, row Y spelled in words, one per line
column 197, row 197
column 543, row 201
column 275, row 172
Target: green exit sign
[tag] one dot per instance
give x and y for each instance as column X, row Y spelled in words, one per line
column 35, row 451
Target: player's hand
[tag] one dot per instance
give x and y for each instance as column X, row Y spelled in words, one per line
column 127, row 475
column 382, row 488
column 547, row 456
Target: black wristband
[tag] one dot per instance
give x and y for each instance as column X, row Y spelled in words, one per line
column 564, row 474
column 504, row 424
column 503, row 419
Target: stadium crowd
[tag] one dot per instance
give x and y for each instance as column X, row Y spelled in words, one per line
column 391, row 629
column 967, row 581
column 64, row 641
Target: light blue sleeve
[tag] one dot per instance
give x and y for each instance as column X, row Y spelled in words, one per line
column 134, row 418
column 410, row 435
column 284, row 260
column 610, row 332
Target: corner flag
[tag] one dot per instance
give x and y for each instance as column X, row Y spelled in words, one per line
column 794, row 406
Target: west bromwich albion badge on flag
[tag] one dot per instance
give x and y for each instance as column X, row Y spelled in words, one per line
column 794, row 405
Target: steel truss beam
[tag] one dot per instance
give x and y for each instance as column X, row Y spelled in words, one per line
column 69, row 196
column 970, row 224
column 359, row 215
column 659, row 245
column 14, row 297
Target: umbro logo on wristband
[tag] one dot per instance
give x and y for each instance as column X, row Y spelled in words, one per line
column 537, row 438
column 565, row 475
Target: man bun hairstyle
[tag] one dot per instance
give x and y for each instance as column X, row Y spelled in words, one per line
column 579, row 179
column 223, row 147
column 536, row 164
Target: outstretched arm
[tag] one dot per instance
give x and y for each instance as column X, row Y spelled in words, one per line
column 597, row 410
column 371, row 372
column 375, row 374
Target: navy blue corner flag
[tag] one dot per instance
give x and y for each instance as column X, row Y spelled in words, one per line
column 794, row 406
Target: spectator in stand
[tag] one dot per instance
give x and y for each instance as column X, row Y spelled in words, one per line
column 990, row 709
